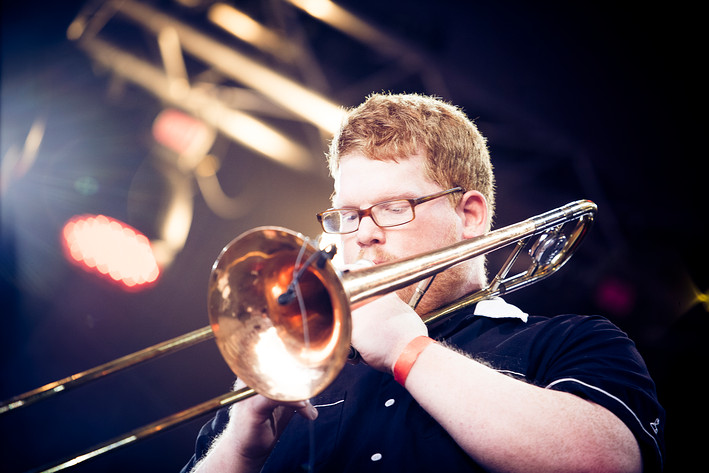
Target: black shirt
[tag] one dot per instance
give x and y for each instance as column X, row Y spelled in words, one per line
column 368, row 422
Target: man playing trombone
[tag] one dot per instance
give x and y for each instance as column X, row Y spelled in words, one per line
column 491, row 388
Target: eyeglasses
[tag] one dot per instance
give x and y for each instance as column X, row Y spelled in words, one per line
column 390, row 213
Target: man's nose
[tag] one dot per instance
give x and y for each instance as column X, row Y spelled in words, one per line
column 369, row 233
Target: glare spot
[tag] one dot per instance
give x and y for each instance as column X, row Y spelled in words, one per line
column 86, row 185
column 111, row 249
column 276, row 363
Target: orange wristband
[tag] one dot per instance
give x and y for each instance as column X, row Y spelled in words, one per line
column 408, row 357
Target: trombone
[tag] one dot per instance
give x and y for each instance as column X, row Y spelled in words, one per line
column 280, row 311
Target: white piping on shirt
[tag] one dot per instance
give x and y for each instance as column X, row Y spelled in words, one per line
column 330, row 404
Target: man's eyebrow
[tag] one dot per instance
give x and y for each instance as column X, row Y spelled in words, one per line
column 394, row 195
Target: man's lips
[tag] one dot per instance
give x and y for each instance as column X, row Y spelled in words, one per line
column 375, row 259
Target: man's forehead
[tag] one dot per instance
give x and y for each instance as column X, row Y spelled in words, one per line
column 361, row 180
column 362, row 199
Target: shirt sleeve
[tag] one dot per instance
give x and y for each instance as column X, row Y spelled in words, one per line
column 206, row 437
column 595, row 360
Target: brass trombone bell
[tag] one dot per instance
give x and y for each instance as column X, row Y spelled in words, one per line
column 286, row 351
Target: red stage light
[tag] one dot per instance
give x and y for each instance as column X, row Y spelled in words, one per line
column 180, row 132
column 111, row 249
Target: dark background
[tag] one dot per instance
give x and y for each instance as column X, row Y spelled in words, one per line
column 583, row 100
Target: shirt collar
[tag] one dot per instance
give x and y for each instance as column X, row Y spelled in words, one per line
column 497, row 308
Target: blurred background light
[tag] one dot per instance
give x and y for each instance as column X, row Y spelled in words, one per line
column 112, row 249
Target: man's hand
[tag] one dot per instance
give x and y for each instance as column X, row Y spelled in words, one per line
column 261, row 421
column 381, row 329
column 255, row 424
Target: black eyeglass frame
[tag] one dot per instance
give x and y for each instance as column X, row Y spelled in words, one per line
column 361, row 213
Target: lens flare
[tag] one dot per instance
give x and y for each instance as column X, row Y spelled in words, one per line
column 110, row 249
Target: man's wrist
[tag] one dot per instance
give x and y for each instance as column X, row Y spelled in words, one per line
column 406, row 360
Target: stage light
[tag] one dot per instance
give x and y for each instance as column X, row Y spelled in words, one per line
column 338, row 17
column 322, row 9
column 616, row 296
column 111, row 249
column 245, row 28
column 184, row 134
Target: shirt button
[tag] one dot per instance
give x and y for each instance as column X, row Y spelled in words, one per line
column 376, row 457
column 389, row 403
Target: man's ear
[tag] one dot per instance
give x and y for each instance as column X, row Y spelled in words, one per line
column 472, row 209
